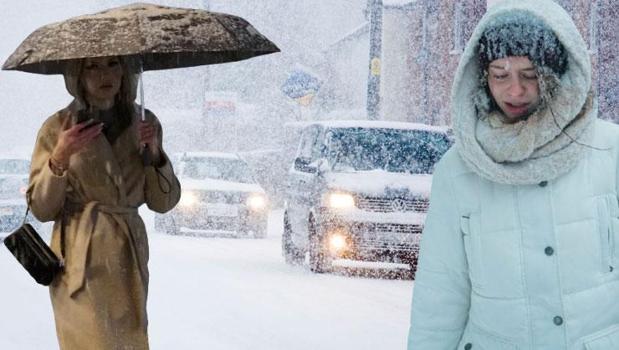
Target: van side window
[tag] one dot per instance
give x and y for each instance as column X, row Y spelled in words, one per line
column 317, row 144
column 307, row 148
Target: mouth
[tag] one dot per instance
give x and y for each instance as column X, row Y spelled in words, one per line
column 517, row 108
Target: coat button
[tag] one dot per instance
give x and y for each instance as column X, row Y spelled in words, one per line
column 558, row 320
column 468, row 346
column 549, row 251
column 543, row 183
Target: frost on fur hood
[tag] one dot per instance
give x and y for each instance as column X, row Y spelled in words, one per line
column 547, row 144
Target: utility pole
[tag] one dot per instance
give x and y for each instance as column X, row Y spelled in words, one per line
column 206, row 128
column 375, row 9
column 206, row 5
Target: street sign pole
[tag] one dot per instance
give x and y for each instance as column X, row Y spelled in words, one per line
column 376, row 24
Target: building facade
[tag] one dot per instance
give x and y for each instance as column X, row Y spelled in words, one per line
column 422, row 42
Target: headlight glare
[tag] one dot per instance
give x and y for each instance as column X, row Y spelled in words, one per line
column 340, row 200
column 337, row 242
column 188, row 199
column 256, row 201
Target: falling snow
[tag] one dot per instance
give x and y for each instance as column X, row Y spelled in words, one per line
column 231, row 293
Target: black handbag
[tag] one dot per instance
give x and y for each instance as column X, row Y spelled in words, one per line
column 33, row 253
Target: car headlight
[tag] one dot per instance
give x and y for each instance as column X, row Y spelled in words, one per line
column 188, row 199
column 256, row 202
column 337, row 242
column 339, row 200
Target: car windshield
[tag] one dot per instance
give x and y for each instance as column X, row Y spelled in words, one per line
column 227, row 169
column 14, row 166
column 393, row 150
column 12, row 187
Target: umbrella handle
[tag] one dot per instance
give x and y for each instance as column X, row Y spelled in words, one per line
column 146, row 159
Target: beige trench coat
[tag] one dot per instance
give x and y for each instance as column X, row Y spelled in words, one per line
column 99, row 300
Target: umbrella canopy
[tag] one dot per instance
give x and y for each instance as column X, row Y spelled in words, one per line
column 160, row 37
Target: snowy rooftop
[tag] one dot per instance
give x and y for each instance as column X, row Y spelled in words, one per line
column 358, row 31
column 378, row 124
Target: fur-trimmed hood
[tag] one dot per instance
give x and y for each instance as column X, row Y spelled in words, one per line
column 550, row 142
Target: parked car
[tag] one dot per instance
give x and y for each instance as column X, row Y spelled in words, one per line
column 14, row 174
column 219, row 197
column 360, row 190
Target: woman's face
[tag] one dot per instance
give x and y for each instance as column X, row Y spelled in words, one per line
column 101, row 78
column 513, row 84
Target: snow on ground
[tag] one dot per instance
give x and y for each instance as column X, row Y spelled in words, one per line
column 226, row 293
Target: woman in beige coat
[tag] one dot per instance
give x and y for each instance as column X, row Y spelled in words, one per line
column 89, row 178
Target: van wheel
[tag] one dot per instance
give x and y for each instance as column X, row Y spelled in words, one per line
column 319, row 259
column 292, row 254
column 160, row 222
column 171, row 227
column 261, row 231
column 413, row 266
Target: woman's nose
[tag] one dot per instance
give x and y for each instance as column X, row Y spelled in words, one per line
column 516, row 88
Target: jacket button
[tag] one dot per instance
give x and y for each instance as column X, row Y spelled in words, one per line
column 468, row 346
column 549, row 251
column 543, row 183
column 558, row 320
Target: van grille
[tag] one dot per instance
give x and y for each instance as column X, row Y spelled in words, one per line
column 397, row 204
column 220, row 197
column 388, row 237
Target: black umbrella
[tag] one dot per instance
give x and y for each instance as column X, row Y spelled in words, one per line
column 160, row 37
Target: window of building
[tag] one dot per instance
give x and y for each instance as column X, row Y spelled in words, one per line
column 593, row 26
column 458, row 24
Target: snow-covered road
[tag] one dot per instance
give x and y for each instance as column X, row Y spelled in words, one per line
column 221, row 293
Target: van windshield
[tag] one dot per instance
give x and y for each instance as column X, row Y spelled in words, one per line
column 233, row 170
column 393, row 150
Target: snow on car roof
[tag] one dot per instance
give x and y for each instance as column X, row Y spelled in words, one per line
column 388, row 3
column 209, row 154
column 373, row 124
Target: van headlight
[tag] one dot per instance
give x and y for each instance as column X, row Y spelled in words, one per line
column 257, row 201
column 340, row 200
column 188, row 199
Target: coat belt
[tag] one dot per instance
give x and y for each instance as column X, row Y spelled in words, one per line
column 86, row 224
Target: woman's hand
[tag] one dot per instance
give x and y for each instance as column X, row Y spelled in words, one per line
column 149, row 135
column 73, row 139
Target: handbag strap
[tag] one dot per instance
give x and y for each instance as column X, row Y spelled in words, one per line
column 26, row 216
column 62, row 220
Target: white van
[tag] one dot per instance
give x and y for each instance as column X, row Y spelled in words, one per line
column 360, row 190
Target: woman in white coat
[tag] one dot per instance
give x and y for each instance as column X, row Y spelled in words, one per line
column 521, row 239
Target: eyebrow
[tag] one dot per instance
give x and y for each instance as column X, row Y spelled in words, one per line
column 503, row 67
